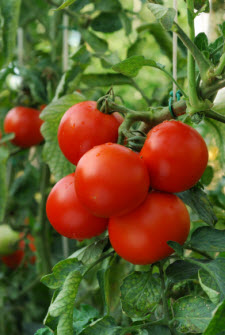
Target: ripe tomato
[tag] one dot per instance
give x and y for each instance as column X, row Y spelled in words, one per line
column 66, row 214
column 176, row 156
column 14, row 260
column 83, row 126
column 25, row 123
column 141, row 236
column 111, row 180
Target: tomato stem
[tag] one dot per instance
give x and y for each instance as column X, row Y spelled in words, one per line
column 164, row 298
column 41, row 234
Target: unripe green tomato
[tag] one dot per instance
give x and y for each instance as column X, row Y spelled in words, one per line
column 8, row 239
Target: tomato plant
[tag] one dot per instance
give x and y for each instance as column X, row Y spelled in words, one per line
column 112, row 239
column 68, row 216
column 111, row 180
column 26, row 124
column 85, row 126
column 173, row 167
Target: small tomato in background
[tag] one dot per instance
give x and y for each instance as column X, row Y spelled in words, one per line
column 111, row 180
column 14, row 259
column 141, row 236
column 176, row 156
column 67, row 215
column 83, row 126
column 25, row 123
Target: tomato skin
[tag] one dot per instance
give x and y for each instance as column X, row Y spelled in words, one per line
column 83, row 126
column 25, row 123
column 111, row 180
column 66, row 214
column 15, row 259
column 141, row 236
column 176, row 156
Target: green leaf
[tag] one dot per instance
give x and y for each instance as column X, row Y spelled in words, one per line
column 158, row 330
column 176, row 247
column 217, row 325
column 52, row 115
column 4, row 154
column 103, row 326
column 131, row 66
column 140, row 293
column 24, row 187
column 10, row 10
column 208, row 239
column 182, row 270
column 95, row 42
column 79, row 4
column 109, row 60
column 199, row 203
column 210, row 287
column 193, row 314
column 60, row 272
column 7, row 138
column 107, row 80
column 215, row 269
column 106, row 23
column 201, row 40
column 107, row 6
column 66, row 4
column 63, row 305
column 43, row 331
column 202, row 5
column 163, row 14
column 207, row 176
column 126, row 22
column 103, row 280
column 91, row 252
column 81, row 59
column 83, row 316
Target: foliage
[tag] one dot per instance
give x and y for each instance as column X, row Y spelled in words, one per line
column 128, row 45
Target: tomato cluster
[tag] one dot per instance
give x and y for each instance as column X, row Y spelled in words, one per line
column 129, row 193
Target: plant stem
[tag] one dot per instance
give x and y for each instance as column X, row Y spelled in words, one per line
column 111, row 253
column 164, row 299
column 41, row 235
column 210, row 90
column 214, row 115
column 191, row 77
column 203, row 64
column 220, row 67
column 163, row 290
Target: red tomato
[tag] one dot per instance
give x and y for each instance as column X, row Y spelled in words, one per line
column 66, row 214
column 111, row 180
column 25, row 123
column 14, row 260
column 176, row 156
column 83, row 126
column 141, row 236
